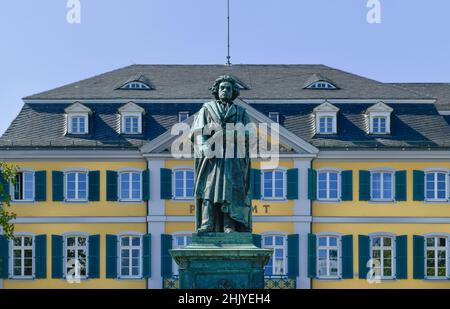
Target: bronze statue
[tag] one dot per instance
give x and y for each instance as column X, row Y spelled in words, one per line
column 222, row 183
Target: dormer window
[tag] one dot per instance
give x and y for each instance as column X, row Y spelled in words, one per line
column 274, row 116
column 319, row 82
column 379, row 117
column 77, row 118
column 326, row 118
column 135, row 85
column 321, row 85
column 131, row 118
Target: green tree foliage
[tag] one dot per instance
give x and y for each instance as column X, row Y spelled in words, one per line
column 9, row 175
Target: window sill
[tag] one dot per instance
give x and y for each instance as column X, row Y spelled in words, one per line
column 130, row 278
column 436, row 279
column 130, row 201
column 328, row 201
column 18, row 202
column 267, row 199
column 22, row 278
column 382, row 202
column 76, row 202
column 182, row 199
column 436, row 201
column 329, row 278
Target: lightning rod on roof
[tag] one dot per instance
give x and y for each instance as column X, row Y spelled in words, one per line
column 228, row 32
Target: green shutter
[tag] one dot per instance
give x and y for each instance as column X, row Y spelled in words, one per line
column 40, row 186
column 41, row 256
column 364, row 185
column 146, row 185
column 166, row 258
column 166, row 184
column 111, row 186
column 58, row 186
column 94, row 186
column 94, row 257
column 418, row 257
column 312, row 184
column 419, row 186
column 312, row 259
column 292, row 184
column 257, row 240
column 400, row 186
column 401, row 251
column 147, row 256
column 255, row 183
column 111, row 256
column 347, row 185
column 347, row 257
column 57, row 257
column 4, row 187
column 293, row 256
column 4, row 257
column 364, row 255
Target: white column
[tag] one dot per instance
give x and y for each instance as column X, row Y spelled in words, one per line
column 155, row 221
column 302, row 227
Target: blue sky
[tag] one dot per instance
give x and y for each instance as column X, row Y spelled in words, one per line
column 40, row 50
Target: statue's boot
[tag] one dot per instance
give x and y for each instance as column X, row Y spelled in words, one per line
column 228, row 224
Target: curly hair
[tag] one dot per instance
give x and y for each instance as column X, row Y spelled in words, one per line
column 225, row 78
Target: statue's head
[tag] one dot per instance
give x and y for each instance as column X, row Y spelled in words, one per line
column 225, row 88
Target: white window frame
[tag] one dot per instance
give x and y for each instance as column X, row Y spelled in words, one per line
column 276, row 115
column 65, row 248
column 321, row 85
column 284, row 246
column 181, row 114
column 386, row 115
column 393, row 247
column 185, row 235
column 12, row 189
column 273, row 198
column 184, row 197
column 70, row 117
column 119, row 176
column 328, row 248
column 436, row 199
column 130, row 247
column 76, row 199
column 447, row 251
column 11, row 249
column 124, row 115
column 377, row 129
column 133, row 86
column 328, row 171
column 382, row 172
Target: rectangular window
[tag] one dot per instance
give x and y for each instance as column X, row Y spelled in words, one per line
column 436, row 257
column 379, row 125
column 131, row 125
column 78, row 124
column 76, row 186
column 24, row 186
column 130, row 186
column 328, row 185
column 382, row 186
column 130, row 256
column 76, row 256
column 274, row 116
column 273, row 184
column 180, row 241
column 277, row 263
column 382, row 252
column 436, row 186
column 183, row 116
column 184, row 184
column 326, row 125
column 328, row 256
column 22, row 257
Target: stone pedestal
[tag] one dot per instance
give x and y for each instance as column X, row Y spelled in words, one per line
column 221, row 261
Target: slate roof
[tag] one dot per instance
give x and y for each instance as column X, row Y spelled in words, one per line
column 263, row 81
column 413, row 125
column 440, row 91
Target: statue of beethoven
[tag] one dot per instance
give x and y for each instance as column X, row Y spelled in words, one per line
column 222, row 184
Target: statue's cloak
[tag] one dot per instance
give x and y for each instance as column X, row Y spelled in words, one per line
column 222, row 180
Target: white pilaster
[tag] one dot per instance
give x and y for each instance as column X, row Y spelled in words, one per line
column 303, row 229
column 155, row 224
